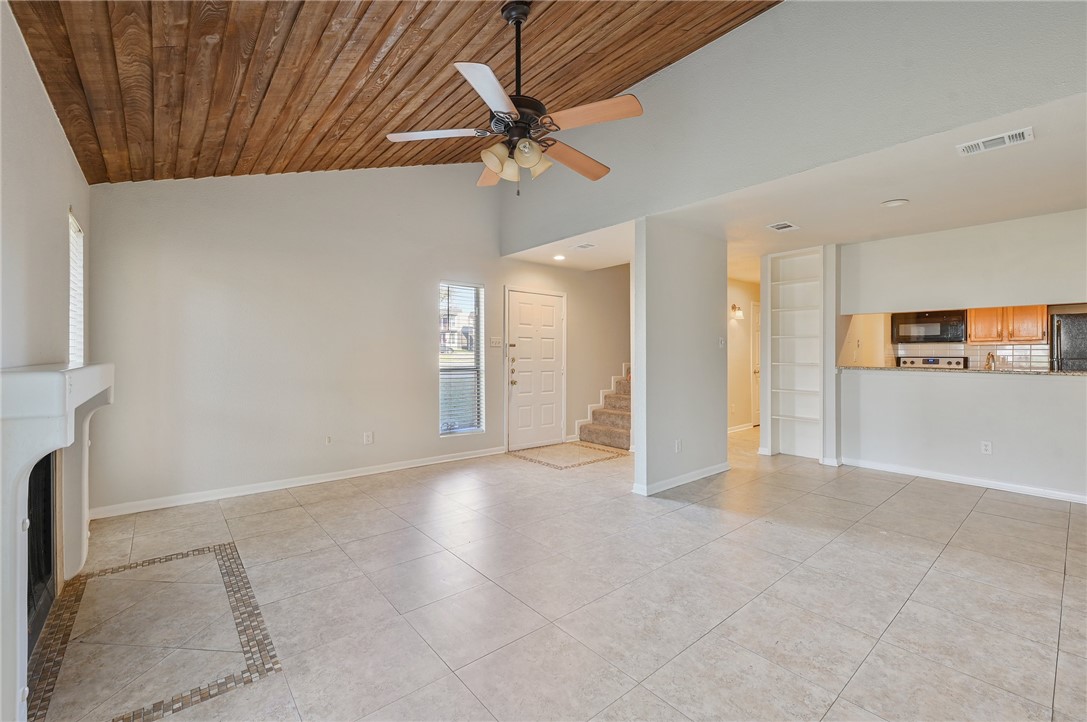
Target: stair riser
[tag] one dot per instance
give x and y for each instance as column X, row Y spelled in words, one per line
column 622, row 387
column 617, row 401
column 606, row 436
column 614, row 418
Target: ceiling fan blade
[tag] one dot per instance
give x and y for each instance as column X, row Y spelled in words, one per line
column 432, row 134
column 577, row 161
column 624, row 106
column 487, row 178
column 484, row 81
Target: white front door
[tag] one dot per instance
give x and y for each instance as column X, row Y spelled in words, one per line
column 756, row 358
column 535, row 331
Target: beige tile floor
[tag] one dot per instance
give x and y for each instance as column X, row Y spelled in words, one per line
column 502, row 589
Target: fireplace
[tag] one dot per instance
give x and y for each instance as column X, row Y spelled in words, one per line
column 41, row 587
column 43, row 409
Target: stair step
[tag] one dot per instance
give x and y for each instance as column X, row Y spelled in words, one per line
column 617, row 401
column 622, row 386
column 616, row 418
column 606, row 436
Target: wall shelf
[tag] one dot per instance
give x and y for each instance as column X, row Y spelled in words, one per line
column 796, row 281
column 796, row 350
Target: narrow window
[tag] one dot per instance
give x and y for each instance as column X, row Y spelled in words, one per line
column 75, row 292
column 460, row 358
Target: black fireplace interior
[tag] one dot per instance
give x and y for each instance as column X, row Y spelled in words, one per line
column 41, row 585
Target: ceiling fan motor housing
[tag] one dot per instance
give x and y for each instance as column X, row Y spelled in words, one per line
column 529, row 110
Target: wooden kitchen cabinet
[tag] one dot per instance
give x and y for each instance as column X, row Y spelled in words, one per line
column 1026, row 324
column 985, row 325
column 1009, row 324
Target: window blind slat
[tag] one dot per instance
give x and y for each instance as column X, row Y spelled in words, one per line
column 460, row 358
column 75, row 292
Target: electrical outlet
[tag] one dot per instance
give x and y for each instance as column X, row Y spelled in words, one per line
column 679, row 445
column 987, row 447
column 328, row 441
column 367, row 437
column 732, row 408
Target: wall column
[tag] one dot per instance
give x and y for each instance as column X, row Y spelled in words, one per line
column 680, row 357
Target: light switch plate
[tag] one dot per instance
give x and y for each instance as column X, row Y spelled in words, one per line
column 496, row 342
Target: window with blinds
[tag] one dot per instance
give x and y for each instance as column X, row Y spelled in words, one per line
column 75, row 292
column 460, row 358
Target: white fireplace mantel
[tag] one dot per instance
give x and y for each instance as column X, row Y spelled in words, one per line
column 42, row 409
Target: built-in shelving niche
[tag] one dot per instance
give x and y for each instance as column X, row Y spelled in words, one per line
column 796, row 353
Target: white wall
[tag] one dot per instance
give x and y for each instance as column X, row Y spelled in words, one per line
column 39, row 180
column 802, row 85
column 681, row 375
column 932, row 424
column 743, row 294
column 249, row 318
column 1042, row 259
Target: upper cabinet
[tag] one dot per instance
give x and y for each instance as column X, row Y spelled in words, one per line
column 1011, row 324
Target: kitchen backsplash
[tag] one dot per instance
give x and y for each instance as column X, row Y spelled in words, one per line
column 1027, row 357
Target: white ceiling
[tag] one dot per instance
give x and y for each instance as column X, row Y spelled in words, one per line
column 613, row 246
column 840, row 202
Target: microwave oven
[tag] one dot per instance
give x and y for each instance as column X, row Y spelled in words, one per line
column 929, row 327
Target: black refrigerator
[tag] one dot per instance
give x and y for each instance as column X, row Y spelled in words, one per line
column 1068, row 342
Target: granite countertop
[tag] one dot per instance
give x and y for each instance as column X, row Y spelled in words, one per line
column 1026, row 372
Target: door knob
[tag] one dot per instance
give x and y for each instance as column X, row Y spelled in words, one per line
column 513, row 382
column 513, row 360
column 513, row 370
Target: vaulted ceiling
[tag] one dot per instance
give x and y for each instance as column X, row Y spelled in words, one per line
column 166, row 89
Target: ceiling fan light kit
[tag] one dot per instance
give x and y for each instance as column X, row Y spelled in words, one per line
column 524, row 122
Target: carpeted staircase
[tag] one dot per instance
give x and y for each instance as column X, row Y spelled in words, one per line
column 610, row 424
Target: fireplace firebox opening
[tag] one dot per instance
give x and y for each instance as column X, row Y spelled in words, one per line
column 41, row 568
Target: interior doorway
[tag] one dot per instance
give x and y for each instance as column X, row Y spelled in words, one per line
column 536, row 362
column 744, row 369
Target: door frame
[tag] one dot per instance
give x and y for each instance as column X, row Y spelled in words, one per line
column 756, row 311
column 506, row 354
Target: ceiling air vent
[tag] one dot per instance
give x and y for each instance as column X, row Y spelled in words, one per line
column 585, row 246
column 782, row 227
column 1023, row 135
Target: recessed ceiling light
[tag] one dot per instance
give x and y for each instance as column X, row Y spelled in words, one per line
column 559, row 258
column 895, row 202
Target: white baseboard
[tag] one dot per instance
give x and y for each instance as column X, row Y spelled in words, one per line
column 741, row 427
column 657, row 487
column 970, row 480
column 830, row 461
column 162, row 502
column 763, row 451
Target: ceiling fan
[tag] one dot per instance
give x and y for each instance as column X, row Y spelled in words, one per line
column 525, row 123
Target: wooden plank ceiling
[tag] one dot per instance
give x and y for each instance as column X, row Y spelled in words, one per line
column 165, row 89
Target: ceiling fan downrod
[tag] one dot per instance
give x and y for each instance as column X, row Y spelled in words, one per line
column 516, row 13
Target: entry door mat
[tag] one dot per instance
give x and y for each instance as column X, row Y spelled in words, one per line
column 256, row 645
column 570, row 455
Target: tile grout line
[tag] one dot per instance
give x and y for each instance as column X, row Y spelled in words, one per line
column 889, row 624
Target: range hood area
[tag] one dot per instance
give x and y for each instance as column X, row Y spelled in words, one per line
column 42, row 409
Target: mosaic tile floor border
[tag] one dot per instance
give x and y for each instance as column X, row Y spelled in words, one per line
column 610, row 454
column 257, row 648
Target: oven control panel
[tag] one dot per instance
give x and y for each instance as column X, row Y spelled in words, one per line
column 932, row 362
